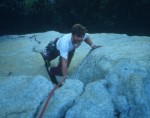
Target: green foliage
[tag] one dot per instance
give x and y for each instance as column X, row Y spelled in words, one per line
column 29, row 3
column 62, row 14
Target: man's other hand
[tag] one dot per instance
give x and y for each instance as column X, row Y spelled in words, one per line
column 94, row 46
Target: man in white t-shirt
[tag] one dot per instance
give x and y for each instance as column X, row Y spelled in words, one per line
column 65, row 48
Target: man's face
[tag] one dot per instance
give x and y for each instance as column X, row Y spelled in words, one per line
column 77, row 39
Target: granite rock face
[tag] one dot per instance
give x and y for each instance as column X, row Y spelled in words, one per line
column 126, row 82
column 21, row 96
column 111, row 81
column 129, row 89
column 63, row 99
column 95, row 102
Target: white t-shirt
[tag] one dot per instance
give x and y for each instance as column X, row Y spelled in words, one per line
column 65, row 45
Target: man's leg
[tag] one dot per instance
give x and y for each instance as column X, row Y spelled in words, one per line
column 50, row 52
column 58, row 70
column 49, row 56
column 54, row 55
column 55, row 71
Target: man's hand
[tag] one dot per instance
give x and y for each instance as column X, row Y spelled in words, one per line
column 65, row 77
column 88, row 41
column 94, row 46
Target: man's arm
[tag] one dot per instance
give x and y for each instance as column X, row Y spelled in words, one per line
column 89, row 42
column 64, row 66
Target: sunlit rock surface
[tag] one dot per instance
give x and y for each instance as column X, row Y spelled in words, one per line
column 20, row 96
column 113, row 81
column 63, row 99
column 95, row 102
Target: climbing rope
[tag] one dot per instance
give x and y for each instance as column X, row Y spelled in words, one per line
column 50, row 96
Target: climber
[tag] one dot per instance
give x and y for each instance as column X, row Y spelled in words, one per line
column 65, row 47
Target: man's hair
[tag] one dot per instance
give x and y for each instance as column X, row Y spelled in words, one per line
column 78, row 30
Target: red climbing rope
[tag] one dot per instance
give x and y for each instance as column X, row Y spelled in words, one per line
column 49, row 97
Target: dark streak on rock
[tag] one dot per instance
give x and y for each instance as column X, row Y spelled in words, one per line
column 117, row 113
column 37, row 41
column 34, row 36
column 9, row 73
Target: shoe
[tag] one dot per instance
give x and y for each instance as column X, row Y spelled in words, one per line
column 61, row 85
column 57, row 84
column 52, row 77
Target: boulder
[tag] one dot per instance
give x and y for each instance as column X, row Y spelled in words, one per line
column 93, row 67
column 129, row 82
column 21, row 96
column 95, row 102
column 63, row 99
column 116, row 47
